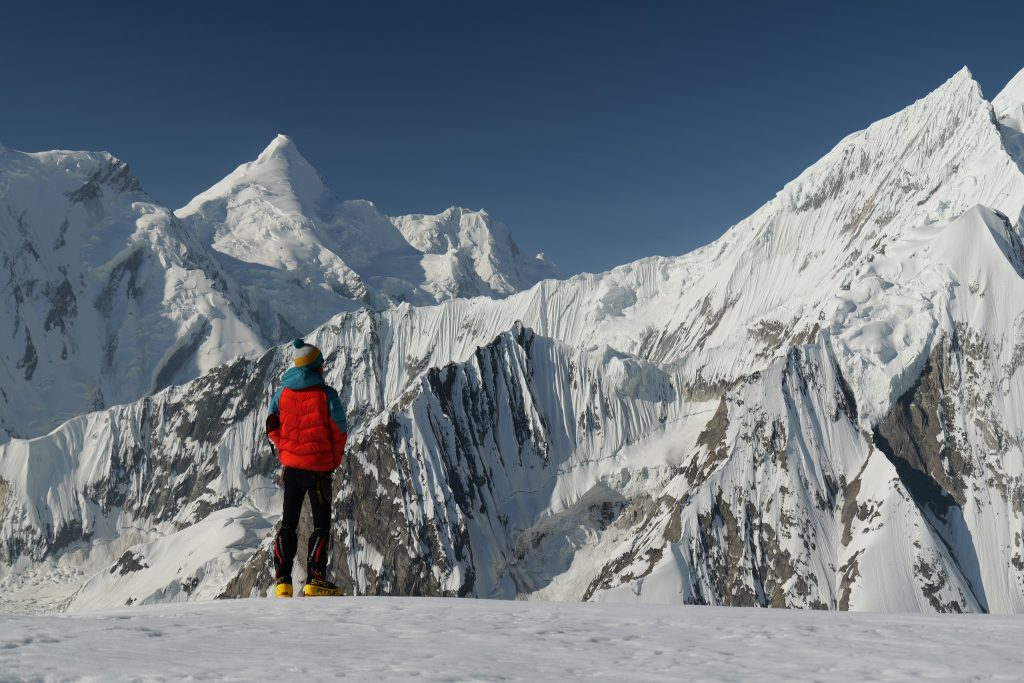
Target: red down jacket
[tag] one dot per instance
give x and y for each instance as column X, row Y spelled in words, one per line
column 307, row 438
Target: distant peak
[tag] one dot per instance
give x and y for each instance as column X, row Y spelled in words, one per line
column 964, row 74
column 961, row 86
column 960, row 80
column 280, row 146
column 280, row 169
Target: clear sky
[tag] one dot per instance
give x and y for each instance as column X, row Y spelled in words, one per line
column 600, row 132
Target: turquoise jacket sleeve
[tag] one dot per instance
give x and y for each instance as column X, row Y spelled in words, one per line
column 337, row 409
column 274, row 409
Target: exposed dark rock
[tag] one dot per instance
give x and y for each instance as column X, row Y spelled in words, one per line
column 933, row 580
column 63, row 307
column 848, row 575
column 721, row 547
column 227, row 395
column 849, row 509
column 413, row 552
column 5, row 490
column 59, row 242
column 129, row 562
column 171, row 368
column 29, row 360
column 255, row 577
column 916, row 436
column 127, row 269
column 771, row 334
column 713, row 438
column 113, row 174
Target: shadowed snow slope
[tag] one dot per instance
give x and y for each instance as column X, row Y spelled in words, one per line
column 821, row 409
column 107, row 296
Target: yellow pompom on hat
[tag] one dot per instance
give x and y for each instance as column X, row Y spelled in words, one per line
column 306, row 355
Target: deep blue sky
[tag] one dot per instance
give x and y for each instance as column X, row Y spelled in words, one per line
column 599, row 132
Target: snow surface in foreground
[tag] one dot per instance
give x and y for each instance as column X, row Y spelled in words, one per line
column 368, row 638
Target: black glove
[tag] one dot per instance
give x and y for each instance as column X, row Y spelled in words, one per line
column 273, row 423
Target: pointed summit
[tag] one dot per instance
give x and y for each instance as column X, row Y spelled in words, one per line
column 961, row 82
column 281, row 146
column 279, row 143
column 283, row 175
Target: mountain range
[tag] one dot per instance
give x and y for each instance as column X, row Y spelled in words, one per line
column 821, row 409
column 112, row 297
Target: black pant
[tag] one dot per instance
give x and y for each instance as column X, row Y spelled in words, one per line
column 319, row 486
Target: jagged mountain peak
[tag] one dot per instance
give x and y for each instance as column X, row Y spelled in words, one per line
column 281, row 160
column 276, row 211
column 280, row 176
column 461, row 244
column 963, row 75
column 439, row 233
column 281, row 145
column 70, row 170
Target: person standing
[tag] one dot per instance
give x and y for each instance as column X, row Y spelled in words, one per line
column 306, row 422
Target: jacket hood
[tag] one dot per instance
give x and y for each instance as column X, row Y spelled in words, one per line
column 301, row 378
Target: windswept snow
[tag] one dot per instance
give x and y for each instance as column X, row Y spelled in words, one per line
column 390, row 639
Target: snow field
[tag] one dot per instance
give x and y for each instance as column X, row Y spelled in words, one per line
column 438, row 639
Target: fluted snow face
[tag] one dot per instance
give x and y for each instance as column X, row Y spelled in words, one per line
column 821, row 409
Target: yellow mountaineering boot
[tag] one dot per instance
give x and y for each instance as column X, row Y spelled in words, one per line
column 316, row 588
column 283, row 589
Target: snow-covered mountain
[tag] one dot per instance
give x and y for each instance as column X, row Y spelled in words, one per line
column 284, row 236
column 108, row 297
column 820, row 409
column 113, row 297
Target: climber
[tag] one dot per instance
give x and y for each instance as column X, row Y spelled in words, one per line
column 306, row 422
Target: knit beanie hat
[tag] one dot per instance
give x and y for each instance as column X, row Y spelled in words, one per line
column 306, row 355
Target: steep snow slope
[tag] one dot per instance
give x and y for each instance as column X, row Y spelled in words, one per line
column 1009, row 104
column 818, row 410
column 1009, row 109
column 107, row 297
